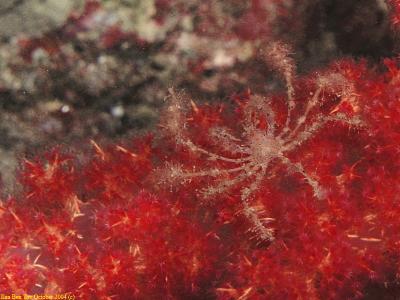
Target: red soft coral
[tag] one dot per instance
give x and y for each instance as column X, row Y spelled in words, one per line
column 279, row 197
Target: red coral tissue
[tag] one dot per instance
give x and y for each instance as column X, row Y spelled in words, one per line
column 283, row 196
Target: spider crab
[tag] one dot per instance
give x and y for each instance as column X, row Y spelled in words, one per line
column 253, row 152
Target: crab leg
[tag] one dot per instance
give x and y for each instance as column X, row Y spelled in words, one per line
column 303, row 118
column 262, row 232
column 224, row 185
column 318, row 125
column 213, row 156
column 227, row 141
column 291, row 103
column 213, row 172
column 319, row 192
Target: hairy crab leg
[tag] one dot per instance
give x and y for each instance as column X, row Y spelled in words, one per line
column 319, row 192
column 227, row 141
column 270, row 117
column 213, row 172
column 212, row 155
column 303, row 119
column 262, row 232
column 318, row 125
column 223, row 186
column 256, row 105
column 290, row 105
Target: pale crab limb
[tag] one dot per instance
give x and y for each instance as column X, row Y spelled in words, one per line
column 291, row 103
column 224, row 133
column 316, row 126
column 177, row 173
column 290, row 89
column 270, row 117
column 225, row 185
column 227, row 141
column 310, row 105
column 343, row 118
column 259, row 104
column 212, row 172
column 306, row 134
column 213, row 156
column 262, row 232
column 319, row 192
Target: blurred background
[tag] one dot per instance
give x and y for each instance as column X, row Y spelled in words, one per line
column 74, row 70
